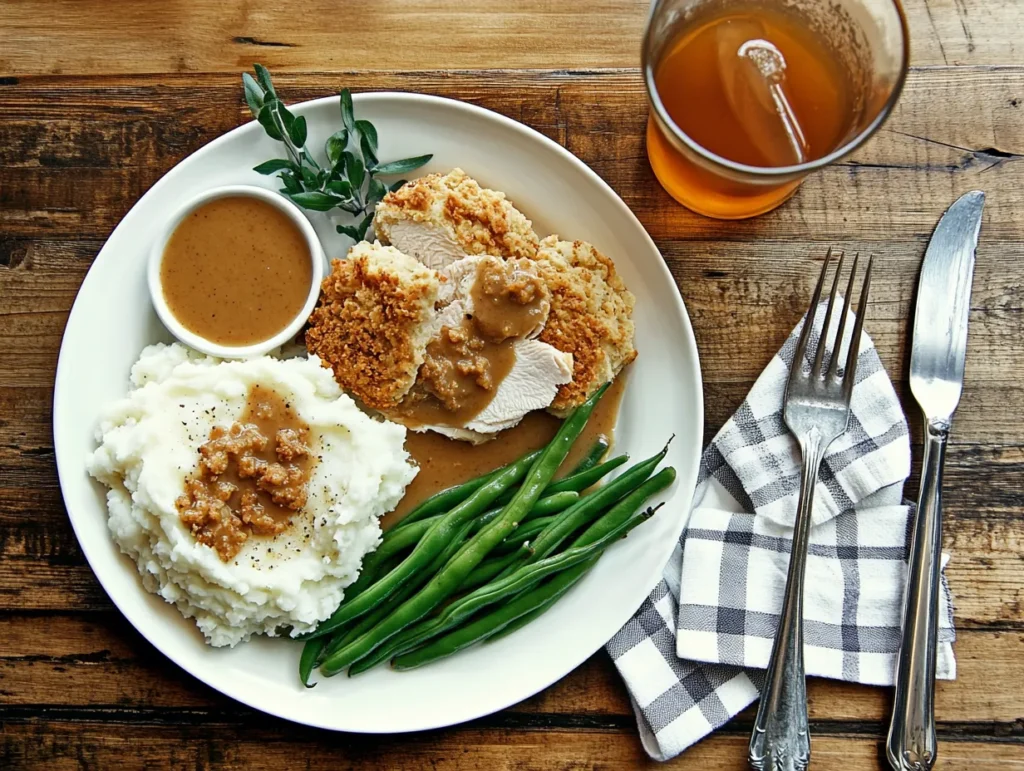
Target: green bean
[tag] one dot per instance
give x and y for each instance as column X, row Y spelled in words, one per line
column 371, row 619
column 554, row 503
column 391, row 546
column 313, row 651
column 543, row 596
column 582, row 512
column 448, row 580
column 488, row 569
column 585, row 510
column 397, row 540
column 597, row 451
column 490, row 624
column 588, row 478
column 453, row 496
column 522, row 580
column 430, row 545
column 520, row 622
column 518, row 538
column 578, row 482
column 372, row 568
column 310, row 657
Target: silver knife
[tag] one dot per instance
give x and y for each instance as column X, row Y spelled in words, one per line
column 936, row 380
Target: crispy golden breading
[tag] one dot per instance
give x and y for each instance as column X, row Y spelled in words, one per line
column 371, row 326
column 477, row 220
column 591, row 316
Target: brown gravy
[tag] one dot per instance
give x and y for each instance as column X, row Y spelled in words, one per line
column 458, row 378
column 236, row 271
column 251, row 477
column 445, row 462
column 465, row 364
column 507, row 301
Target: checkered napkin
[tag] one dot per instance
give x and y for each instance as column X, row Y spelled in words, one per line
column 693, row 655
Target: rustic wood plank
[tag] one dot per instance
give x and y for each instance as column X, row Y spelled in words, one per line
column 55, row 745
column 42, row 569
column 137, row 37
column 98, row 661
column 928, row 155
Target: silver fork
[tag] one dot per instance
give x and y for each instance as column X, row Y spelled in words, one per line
column 816, row 411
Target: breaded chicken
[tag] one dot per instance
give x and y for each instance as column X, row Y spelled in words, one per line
column 441, row 218
column 372, row 324
column 591, row 317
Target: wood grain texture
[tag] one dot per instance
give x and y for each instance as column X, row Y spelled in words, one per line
column 137, row 36
column 98, row 101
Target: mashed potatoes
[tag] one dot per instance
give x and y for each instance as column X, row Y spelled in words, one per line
column 149, row 446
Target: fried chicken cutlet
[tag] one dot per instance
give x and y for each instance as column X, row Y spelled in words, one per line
column 591, row 317
column 372, row 323
column 441, row 218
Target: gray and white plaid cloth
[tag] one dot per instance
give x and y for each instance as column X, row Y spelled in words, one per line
column 693, row 655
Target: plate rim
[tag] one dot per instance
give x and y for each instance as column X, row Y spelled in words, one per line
column 689, row 352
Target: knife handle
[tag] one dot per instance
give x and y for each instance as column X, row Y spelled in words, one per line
column 911, row 745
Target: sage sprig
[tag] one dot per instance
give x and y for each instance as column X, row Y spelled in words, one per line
column 348, row 181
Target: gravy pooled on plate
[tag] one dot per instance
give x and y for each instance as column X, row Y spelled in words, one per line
column 236, row 271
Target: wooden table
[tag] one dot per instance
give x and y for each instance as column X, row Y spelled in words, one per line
column 99, row 99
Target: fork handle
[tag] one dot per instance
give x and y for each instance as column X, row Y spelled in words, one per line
column 911, row 745
column 781, row 739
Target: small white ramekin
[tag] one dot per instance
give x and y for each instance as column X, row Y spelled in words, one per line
column 191, row 339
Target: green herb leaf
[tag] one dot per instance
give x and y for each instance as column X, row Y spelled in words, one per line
column 291, row 184
column 352, row 206
column 297, row 131
column 362, row 227
column 264, row 78
column 253, row 94
column 336, row 145
column 367, row 130
column 309, row 177
column 375, row 192
column 269, row 121
column 354, row 170
column 315, row 200
column 340, row 187
column 348, row 116
column 395, row 185
column 403, row 166
column 273, row 166
column 286, row 116
column 351, row 232
column 369, row 156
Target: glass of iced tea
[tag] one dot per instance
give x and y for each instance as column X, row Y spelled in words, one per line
column 750, row 96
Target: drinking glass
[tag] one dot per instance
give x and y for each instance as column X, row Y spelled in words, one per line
column 868, row 37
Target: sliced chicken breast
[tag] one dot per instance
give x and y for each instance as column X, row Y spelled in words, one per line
column 532, row 383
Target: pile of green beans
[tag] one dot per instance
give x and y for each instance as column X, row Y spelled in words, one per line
column 484, row 558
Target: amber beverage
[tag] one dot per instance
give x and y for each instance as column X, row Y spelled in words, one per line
column 749, row 96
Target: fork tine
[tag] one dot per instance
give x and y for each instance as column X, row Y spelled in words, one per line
column 833, row 367
column 850, row 375
column 805, row 333
column 819, row 355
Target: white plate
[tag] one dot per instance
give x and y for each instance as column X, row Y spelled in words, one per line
column 112, row 320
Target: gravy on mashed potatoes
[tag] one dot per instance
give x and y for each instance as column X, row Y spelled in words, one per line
column 251, row 477
column 149, row 447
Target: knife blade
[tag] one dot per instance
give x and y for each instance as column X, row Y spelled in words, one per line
column 943, row 302
column 937, row 357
